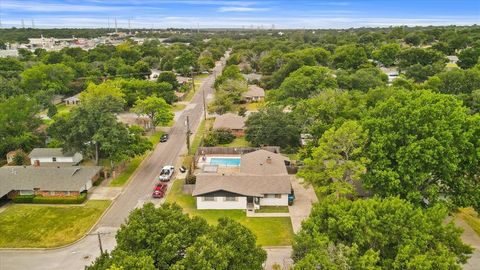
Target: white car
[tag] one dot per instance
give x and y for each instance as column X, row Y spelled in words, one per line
column 166, row 173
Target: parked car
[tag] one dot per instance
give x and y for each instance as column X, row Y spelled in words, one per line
column 291, row 197
column 166, row 173
column 159, row 191
column 182, row 169
column 164, row 138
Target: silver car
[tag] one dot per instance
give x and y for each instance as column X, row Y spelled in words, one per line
column 166, row 173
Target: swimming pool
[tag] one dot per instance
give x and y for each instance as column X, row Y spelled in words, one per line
column 231, row 162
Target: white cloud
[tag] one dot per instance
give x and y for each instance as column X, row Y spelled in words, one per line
column 240, row 9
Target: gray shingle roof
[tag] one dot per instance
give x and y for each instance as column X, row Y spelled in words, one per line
column 254, row 91
column 242, row 184
column 48, row 152
column 256, row 163
column 45, row 178
column 230, row 121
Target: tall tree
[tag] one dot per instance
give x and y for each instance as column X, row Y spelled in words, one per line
column 349, row 57
column 306, row 81
column 422, row 148
column 378, row 234
column 159, row 112
column 337, row 164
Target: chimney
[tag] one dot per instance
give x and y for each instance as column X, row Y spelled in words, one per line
column 269, row 160
column 36, row 163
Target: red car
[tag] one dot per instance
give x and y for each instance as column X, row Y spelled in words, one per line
column 159, row 191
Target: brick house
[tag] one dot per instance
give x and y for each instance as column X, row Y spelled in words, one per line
column 231, row 121
column 47, row 181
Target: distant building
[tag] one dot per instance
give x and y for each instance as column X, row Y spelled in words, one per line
column 452, row 59
column 254, row 94
column 53, row 157
column 72, row 101
column 231, row 121
column 8, row 53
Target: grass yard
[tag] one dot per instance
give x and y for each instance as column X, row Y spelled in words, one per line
column 275, row 231
column 123, row 178
column 202, row 129
column 254, row 106
column 39, row 226
column 471, row 218
column 63, row 109
column 178, row 107
column 272, row 209
column 238, row 142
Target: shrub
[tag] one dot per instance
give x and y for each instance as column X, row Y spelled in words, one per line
column 23, row 199
column 61, row 200
column 191, row 179
column 219, row 136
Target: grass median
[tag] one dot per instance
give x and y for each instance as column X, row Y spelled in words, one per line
column 41, row 226
column 270, row 231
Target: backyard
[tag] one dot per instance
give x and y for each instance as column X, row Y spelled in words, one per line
column 270, row 231
column 41, row 226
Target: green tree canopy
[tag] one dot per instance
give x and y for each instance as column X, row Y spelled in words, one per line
column 387, row 54
column 378, row 234
column 271, row 126
column 349, row 57
column 156, row 108
column 306, row 81
column 422, row 147
column 47, row 77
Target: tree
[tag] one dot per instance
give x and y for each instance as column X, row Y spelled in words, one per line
column 47, row 77
column 159, row 112
column 108, row 93
column 166, row 238
column 413, row 38
column 349, row 57
column 422, row 148
column 378, row 234
column 362, row 79
column 10, row 67
column 306, row 81
column 469, row 57
column 337, row 164
column 387, row 54
column 18, row 116
column 169, row 77
column 271, row 126
column 219, row 136
column 220, row 248
column 142, row 70
column 184, row 62
column 206, row 63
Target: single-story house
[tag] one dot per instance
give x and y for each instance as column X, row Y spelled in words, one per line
column 252, row 77
column 46, row 181
column 71, row 101
column 254, row 94
column 263, row 180
column 452, row 59
column 54, row 157
column 230, row 121
column 241, row 191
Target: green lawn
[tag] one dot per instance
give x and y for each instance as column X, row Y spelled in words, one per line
column 471, row 218
column 123, row 178
column 254, row 106
column 178, row 107
column 40, row 226
column 238, row 142
column 272, row 209
column 202, row 129
column 62, row 108
column 275, row 231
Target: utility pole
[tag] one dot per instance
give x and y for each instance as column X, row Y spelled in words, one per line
column 188, row 134
column 100, row 243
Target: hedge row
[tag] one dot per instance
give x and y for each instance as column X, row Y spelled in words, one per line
column 50, row 200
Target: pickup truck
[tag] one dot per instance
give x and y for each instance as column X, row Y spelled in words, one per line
column 166, row 173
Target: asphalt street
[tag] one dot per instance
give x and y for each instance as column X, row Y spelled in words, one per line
column 135, row 194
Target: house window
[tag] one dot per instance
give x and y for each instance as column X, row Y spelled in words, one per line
column 273, row 196
column 208, row 199
column 231, row 199
column 26, row 192
column 54, row 159
column 278, row 196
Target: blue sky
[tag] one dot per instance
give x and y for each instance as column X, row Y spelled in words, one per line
column 238, row 14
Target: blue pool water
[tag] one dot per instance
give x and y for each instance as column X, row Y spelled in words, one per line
column 225, row 161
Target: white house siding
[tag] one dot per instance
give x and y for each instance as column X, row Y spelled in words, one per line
column 220, row 203
column 59, row 160
column 283, row 201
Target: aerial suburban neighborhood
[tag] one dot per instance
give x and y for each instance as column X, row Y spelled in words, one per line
column 239, row 135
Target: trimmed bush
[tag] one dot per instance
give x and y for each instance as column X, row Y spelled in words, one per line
column 191, row 179
column 61, row 200
column 23, row 198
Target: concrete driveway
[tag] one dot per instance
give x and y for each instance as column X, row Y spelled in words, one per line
column 470, row 237
column 302, row 205
column 135, row 194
